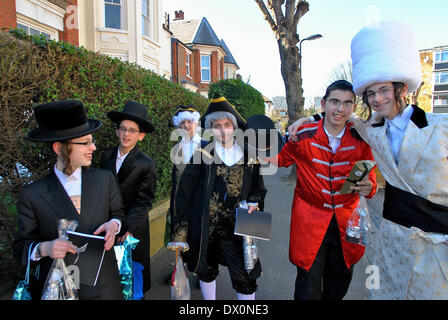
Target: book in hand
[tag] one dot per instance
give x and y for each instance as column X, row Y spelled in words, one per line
column 89, row 257
column 359, row 171
column 257, row 224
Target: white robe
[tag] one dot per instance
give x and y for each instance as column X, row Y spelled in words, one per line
column 413, row 264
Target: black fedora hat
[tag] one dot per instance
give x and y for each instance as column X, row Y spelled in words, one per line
column 133, row 111
column 221, row 104
column 61, row 120
column 265, row 137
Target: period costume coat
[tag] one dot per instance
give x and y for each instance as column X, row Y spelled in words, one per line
column 320, row 176
column 415, row 217
column 40, row 206
column 176, row 173
column 195, row 190
column 137, row 181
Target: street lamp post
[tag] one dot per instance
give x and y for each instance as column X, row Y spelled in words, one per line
column 312, row 37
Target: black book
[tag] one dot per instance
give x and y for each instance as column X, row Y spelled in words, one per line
column 89, row 258
column 257, row 224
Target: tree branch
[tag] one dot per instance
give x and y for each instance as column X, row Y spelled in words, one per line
column 290, row 7
column 301, row 9
column 268, row 17
column 275, row 6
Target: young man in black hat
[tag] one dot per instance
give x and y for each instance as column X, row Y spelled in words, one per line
column 136, row 174
column 71, row 191
column 225, row 177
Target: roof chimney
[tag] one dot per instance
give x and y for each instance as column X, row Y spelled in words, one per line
column 178, row 15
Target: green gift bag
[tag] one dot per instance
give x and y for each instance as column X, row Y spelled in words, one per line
column 22, row 290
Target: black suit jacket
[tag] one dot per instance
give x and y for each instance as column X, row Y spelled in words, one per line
column 137, row 180
column 40, row 206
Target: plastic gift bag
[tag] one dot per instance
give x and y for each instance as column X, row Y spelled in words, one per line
column 22, row 290
column 123, row 252
column 250, row 249
column 59, row 284
column 180, row 287
column 358, row 226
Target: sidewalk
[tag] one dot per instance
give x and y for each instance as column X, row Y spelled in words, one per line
column 278, row 277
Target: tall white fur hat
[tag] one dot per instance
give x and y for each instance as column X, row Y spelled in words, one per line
column 385, row 52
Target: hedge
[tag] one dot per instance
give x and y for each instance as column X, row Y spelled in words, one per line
column 246, row 99
column 34, row 70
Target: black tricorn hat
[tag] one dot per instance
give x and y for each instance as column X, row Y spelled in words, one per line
column 221, row 104
column 266, row 136
column 61, row 120
column 133, row 111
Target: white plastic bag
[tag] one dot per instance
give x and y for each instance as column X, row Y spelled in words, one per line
column 358, row 226
column 180, row 287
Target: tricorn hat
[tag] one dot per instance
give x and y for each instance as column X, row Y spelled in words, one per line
column 133, row 111
column 268, row 140
column 385, row 51
column 61, row 120
column 221, row 104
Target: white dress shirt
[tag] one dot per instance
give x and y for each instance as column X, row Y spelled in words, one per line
column 396, row 128
column 333, row 141
column 229, row 156
column 189, row 146
column 120, row 160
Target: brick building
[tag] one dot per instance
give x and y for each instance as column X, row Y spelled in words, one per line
column 199, row 57
column 54, row 19
column 132, row 31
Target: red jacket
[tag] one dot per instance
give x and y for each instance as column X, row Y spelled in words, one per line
column 320, row 175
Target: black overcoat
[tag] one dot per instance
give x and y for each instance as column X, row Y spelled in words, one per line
column 137, row 180
column 40, row 206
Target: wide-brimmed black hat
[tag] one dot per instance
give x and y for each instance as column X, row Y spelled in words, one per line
column 221, row 104
column 133, row 111
column 265, row 140
column 61, row 120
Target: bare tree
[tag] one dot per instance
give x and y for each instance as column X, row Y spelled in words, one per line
column 283, row 22
column 343, row 71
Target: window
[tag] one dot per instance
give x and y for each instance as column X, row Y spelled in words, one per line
column 31, row 31
column 205, row 68
column 441, row 77
column 188, row 64
column 441, row 100
column 112, row 13
column 146, row 21
column 441, row 55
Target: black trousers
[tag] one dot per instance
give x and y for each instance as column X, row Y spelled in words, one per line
column 227, row 249
column 329, row 277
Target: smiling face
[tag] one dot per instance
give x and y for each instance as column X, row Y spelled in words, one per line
column 74, row 153
column 223, row 131
column 82, row 154
column 128, row 134
column 381, row 97
column 338, row 108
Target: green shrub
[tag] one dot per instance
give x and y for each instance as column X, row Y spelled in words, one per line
column 246, row 99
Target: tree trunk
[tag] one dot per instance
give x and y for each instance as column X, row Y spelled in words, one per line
column 290, row 69
column 284, row 26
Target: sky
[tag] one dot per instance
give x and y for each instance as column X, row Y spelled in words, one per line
column 253, row 45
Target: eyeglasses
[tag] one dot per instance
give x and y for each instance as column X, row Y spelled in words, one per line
column 87, row 143
column 338, row 103
column 130, row 130
column 382, row 92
